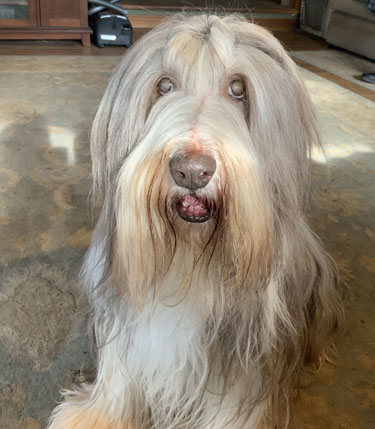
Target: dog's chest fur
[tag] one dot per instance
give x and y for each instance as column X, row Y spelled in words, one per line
column 165, row 337
column 161, row 356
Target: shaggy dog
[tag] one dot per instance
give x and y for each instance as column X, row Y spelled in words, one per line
column 209, row 292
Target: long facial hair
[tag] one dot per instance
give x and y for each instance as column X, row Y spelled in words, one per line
column 269, row 300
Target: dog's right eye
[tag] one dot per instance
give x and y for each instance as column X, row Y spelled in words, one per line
column 165, row 86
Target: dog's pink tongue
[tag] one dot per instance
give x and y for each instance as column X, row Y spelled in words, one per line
column 193, row 206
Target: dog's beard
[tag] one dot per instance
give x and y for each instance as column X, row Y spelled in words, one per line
column 223, row 229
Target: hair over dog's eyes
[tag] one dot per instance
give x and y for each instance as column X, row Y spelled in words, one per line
column 165, row 85
column 237, row 89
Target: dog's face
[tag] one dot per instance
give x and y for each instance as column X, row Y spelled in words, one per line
column 202, row 141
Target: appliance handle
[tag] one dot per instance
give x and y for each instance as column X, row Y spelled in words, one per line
column 107, row 5
column 96, row 9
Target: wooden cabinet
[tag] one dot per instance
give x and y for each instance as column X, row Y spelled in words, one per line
column 44, row 19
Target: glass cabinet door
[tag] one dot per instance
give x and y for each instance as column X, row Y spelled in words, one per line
column 17, row 13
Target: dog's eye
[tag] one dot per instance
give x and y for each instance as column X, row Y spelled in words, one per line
column 165, row 86
column 237, row 89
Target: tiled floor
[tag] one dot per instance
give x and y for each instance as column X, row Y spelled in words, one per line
column 46, row 108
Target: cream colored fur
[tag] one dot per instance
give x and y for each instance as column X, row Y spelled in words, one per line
column 203, row 325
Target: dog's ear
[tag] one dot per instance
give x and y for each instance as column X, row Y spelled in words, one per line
column 285, row 76
column 281, row 117
column 324, row 313
column 122, row 112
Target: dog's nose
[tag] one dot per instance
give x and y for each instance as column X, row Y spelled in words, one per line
column 192, row 170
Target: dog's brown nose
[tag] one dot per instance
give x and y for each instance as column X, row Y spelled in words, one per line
column 192, row 170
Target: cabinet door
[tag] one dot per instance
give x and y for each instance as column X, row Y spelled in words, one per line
column 18, row 13
column 63, row 13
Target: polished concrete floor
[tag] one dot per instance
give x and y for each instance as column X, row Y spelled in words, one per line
column 46, row 108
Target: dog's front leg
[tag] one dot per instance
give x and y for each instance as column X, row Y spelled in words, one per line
column 227, row 412
column 80, row 414
column 106, row 404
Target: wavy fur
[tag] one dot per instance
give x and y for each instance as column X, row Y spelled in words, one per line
column 203, row 325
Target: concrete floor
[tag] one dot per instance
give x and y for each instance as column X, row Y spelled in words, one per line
column 46, row 108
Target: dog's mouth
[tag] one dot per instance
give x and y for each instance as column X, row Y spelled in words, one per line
column 193, row 209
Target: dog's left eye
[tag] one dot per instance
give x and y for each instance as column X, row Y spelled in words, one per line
column 237, row 89
column 165, row 86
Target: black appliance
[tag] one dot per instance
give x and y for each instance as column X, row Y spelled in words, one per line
column 110, row 24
